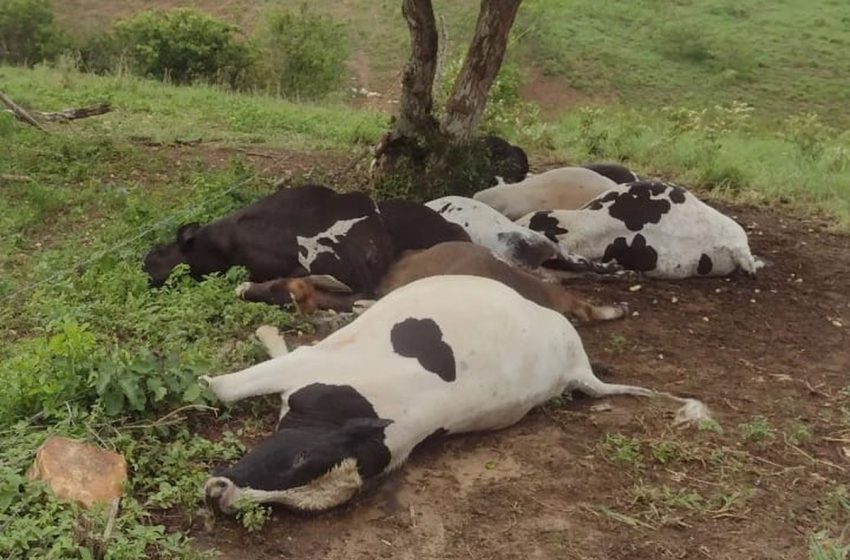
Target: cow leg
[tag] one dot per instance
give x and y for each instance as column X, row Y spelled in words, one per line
column 272, row 340
column 272, row 376
column 273, row 292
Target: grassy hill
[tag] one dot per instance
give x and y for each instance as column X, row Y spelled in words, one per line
column 781, row 57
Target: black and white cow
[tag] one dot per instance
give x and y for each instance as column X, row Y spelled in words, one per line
column 443, row 355
column 614, row 171
column 656, row 228
column 508, row 241
column 566, row 188
column 299, row 230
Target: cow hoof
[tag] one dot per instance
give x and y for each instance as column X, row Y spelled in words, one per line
column 205, row 381
column 361, row 305
column 266, row 332
column 242, row 289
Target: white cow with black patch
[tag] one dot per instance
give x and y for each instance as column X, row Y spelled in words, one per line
column 508, row 241
column 442, row 355
column 656, row 228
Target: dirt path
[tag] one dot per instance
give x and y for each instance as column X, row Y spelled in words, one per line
column 553, row 486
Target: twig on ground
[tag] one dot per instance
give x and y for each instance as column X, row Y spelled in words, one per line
column 14, row 178
column 815, row 459
column 253, row 153
column 74, row 114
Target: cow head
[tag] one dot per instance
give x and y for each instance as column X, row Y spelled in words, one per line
column 305, row 468
column 195, row 245
column 528, row 248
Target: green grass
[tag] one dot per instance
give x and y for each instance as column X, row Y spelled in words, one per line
column 146, row 108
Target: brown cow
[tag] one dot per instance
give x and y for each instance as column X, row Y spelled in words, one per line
column 451, row 258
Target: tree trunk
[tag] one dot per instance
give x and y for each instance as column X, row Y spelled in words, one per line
column 483, row 60
column 415, row 117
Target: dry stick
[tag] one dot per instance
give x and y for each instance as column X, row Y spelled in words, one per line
column 815, row 459
column 110, row 523
column 20, row 113
column 14, row 178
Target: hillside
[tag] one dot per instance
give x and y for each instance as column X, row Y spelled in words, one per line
column 782, row 58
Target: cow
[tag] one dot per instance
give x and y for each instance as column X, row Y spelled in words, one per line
column 414, row 226
column 614, row 171
column 510, row 162
column 508, row 241
column 443, row 355
column 655, row 228
column 294, row 231
column 567, row 188
column 451, row 258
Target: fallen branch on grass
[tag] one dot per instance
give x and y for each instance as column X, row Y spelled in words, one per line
column 63, row 116
column 74, row 114
column 20, row 113
column 14, row 178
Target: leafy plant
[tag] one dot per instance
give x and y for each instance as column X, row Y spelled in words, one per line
column 302, row 54
column 183, row 46
column 29, row 33
column 757, row 430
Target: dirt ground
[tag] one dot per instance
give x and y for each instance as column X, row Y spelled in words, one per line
column 559, row 485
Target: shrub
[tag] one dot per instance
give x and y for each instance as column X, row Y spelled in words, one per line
column 100, row 53
column 184, row 46
column 303, row 54
column 28, row 32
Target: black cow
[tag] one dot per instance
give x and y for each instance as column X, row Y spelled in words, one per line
column 616, row 172
column 414, row 226
column 295, row 231
column 510, row 162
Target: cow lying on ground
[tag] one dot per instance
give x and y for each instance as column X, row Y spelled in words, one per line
column 443, row 355
column 656, row 228
column 614, row 171
column 414, row 226
column 291, row 232
column 508, row 241
column 453, row 258
column 566, row 188
column 510, row 162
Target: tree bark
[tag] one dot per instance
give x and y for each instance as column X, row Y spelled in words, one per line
column 415, row 115
column 483, row 59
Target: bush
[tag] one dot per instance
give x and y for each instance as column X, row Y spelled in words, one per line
column 28, row 32
column 303, row 55
column 100, row 53
column 184, row 46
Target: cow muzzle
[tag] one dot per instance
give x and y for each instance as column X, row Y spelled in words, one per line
column 220, row 494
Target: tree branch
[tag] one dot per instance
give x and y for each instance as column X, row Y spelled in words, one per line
column 20, row 113
column 480, row 67
column 74, row 114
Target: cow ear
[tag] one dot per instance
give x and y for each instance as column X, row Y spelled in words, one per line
column 365, row 427
column 186, row 234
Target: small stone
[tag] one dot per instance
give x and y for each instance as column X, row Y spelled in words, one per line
column 78, row 471
column 601, row 407
column 837, row 323
column 674, row 299
column 752, row 300
column 635, row 314
column 717, row 290
column 799, row 280
column 705, row 319
column 635, row 288
column 660, row 356
column 757, row 291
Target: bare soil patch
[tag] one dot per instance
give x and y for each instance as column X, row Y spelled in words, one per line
column 559, row 485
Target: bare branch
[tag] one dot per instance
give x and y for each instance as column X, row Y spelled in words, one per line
column 20, row 113
column 74, row 114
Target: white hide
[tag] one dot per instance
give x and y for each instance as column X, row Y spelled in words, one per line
column 566, row 188
column 681, row 237
column 488, row 228
column 510, row 354
column 317, row 244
